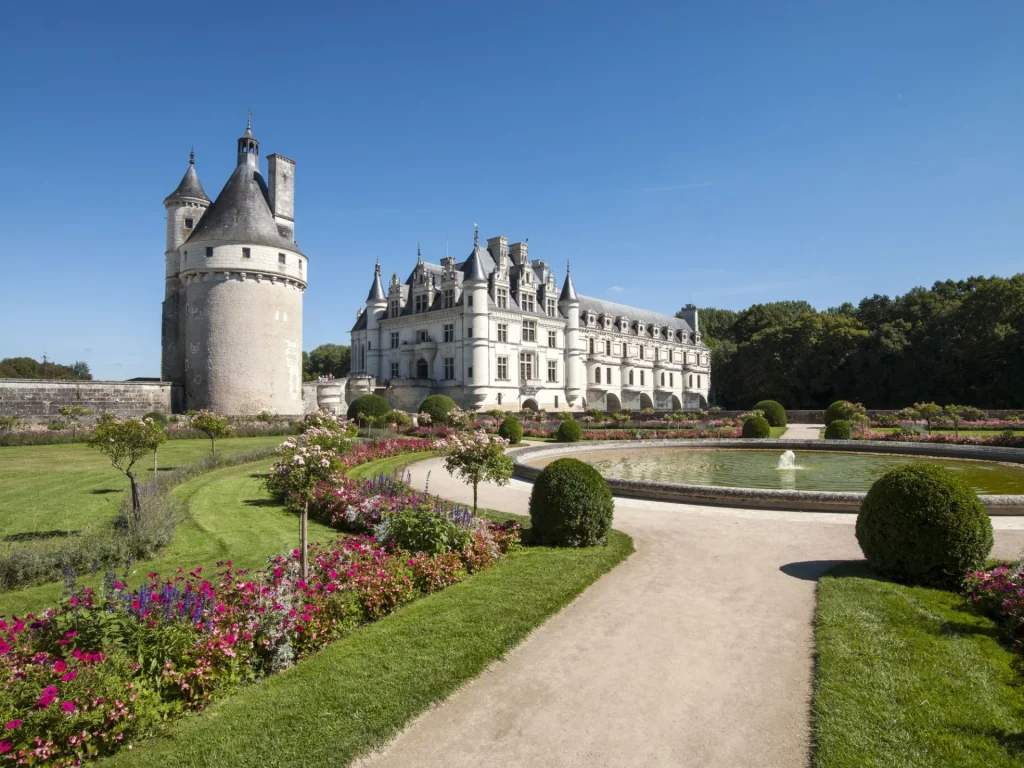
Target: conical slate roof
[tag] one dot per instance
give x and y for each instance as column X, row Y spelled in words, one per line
column 568, row 291
column 189, row 186
column 473, row 268
column 241, row 213
column 377, row 289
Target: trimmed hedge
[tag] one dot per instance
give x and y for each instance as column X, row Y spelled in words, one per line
column 923, row 524
column 839, row 429
column 757, row 427
column 571, row 505
column 437, row 407
column 835, row 411
column 569, row 431
column 157, row 417
column 774, row 413
column 368, row 406
column 511, row 430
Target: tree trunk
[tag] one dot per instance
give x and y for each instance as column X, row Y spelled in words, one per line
column 155, row 452
column 213, row 445
column 475, row 484
column 303, row 517
column 136, row 504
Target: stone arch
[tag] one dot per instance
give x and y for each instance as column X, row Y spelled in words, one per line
column 422, row 369
column 529, row 404
column 612, row 403
column 676, row 405
column 703, row 402
column 645, row 400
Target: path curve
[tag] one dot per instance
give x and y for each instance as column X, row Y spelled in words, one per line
column 696, row 651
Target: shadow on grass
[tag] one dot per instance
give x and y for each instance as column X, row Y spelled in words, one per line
column 39, row 535
column 262, row 503
column 98, row 491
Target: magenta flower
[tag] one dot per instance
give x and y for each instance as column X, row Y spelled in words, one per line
column 13, row 724
column 68, row 706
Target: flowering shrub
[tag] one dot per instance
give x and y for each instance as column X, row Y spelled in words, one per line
column 476, row 457
column 999, row 592
column 1004, row 440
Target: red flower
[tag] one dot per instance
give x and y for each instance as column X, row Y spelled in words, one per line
column 68, row 706
column 5, row 746
column 60, row 666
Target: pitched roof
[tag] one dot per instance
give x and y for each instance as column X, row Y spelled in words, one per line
column 241, row 213
column 189, row 187
column 600, row 306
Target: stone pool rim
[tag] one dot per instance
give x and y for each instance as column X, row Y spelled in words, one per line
column 764, row 498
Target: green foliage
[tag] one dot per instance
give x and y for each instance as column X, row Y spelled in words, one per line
column 333, row 359
column 511, row 430
column 399, row 419
column 836, row 411
column 571, row 505
column 9, row 423
column 368, row 406
column 476, row 458
column 773, row 412
column 426, row 529
column 211, row 425
column 838, row 429
column 124, row 442
column 157, row 418
column 928, row 412
column 756, row 427
column 922, row 524
column 569, row 431
column 29, row 368
column 437, row 407
column 597, row 415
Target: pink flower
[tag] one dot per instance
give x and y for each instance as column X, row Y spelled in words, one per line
column 59, row 666
column 4, row 647
column 5, row 746
column 13, row 724
column 68, row 706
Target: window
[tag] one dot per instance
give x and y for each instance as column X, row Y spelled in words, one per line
column 691, row 381
column 395, row 308
column 529, row 330
column 556, row 401
column 528, row 303
column 597, row 375
column 281, row 259
column 209, row 251
column 631, row 378
column 449, row 335
column 501, row 298
column 698, row 381
column 469, row 332
column 607, row 375
column 421, row 336
column 394, row 370
column 552, row 311
column 671, row 380
column 247, row 253
column 469, row 373
column 186, row 255
column 449, row 298
column 499, row 398
column 641, row 378
column 525, row 366
column 607, row 347
column 394, row 339
column 420, row 303
column 188, row 223
column 449, row 367
column 503, row 368
column 552, row 370
column 641, row 351
column 469, row 302
column 503, row 332
column 663, row 379
column 300, row 265
column 552, row 339
column 591, row 346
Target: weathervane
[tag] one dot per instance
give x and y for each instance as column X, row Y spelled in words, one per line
column 248, row 123
column 476, row 235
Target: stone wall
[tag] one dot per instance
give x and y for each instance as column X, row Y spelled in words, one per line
column 40, row 399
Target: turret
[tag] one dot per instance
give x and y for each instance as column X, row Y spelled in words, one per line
column 248, row 147
column 476, row 312
column 376, row 307
column 569, row 304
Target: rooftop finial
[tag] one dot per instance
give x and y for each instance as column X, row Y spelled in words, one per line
column 192, row 155
column 566, row 266
column 476, row 235
column 418, row 255
column 248, row 123
column 377, row 268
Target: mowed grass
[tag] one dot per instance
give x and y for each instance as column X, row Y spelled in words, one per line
column 910, row 677
column 60, row 488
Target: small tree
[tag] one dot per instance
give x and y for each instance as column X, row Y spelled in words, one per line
column 929, row 412
column 211, row 425
column 301, row 469
column 955, row 414
column 476, row 457
column 74, row 413
column 124, row 442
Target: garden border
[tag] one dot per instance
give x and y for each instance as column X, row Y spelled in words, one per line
column 758, row 498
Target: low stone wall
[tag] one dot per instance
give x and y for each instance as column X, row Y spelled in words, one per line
column 41, row 399
column 757, row 498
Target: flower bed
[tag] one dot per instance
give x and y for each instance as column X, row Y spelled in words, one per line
column 999, row 592
column 104, row 667
column 1006, row 440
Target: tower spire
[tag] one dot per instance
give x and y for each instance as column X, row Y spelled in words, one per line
column 476, row 235
column 192, row 155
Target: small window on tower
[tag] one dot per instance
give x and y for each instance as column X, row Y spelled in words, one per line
column 280, row 258
column 247, row 253
column 188, row 223
column 209, row 251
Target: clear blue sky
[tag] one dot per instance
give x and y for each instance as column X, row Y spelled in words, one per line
column 721, row 153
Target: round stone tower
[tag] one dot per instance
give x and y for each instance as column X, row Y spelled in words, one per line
column 243, row 277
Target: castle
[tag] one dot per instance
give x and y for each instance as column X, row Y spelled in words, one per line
column 231, row 330
column 494, row 331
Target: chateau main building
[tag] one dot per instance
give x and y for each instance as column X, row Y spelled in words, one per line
column 494, row 331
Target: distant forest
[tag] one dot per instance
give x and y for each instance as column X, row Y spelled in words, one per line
column 957, row 342
column 30, row 368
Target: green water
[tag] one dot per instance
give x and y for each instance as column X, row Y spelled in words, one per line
column 816, row 470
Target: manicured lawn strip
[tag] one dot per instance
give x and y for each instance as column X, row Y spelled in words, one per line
column 69, row 487
column 387, row 466
column 778, row 432
column 910, row 676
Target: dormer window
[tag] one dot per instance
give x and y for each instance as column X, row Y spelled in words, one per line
column 188, row 223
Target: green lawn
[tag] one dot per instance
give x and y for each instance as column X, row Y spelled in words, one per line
column 910, row 677
column 777, row 432
column 69, row 487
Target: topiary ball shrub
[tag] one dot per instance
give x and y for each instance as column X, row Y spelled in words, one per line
column 368, row 406
column 922, row 524
column 773, row 411
column 757, row 427
column 838, row 430
column 571, row 505
column 157, row 417
column 569, row 431
column 835, row 411
column 511, row 430
column 437, row 407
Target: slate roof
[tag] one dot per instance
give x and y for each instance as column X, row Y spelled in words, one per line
column 241, row 213
column 189, row 187
column 474, row 267
column 376, row 290
column 568, row 291
column 600, row 306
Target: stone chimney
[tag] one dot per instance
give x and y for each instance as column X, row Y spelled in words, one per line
column 519, row 254
column 282, row 193
column 497, row 246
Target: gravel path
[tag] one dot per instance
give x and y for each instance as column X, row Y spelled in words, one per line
column 803, row 432
column 697, row 651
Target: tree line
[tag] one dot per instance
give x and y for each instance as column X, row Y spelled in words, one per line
column 30, row 368
column 956, row 342
column 327, row 359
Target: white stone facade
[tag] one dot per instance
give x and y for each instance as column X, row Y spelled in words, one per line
column 494, row 331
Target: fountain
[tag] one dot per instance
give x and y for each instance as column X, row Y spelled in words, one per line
column 787, row 461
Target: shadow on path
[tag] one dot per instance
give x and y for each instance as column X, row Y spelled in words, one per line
column 809, row 570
